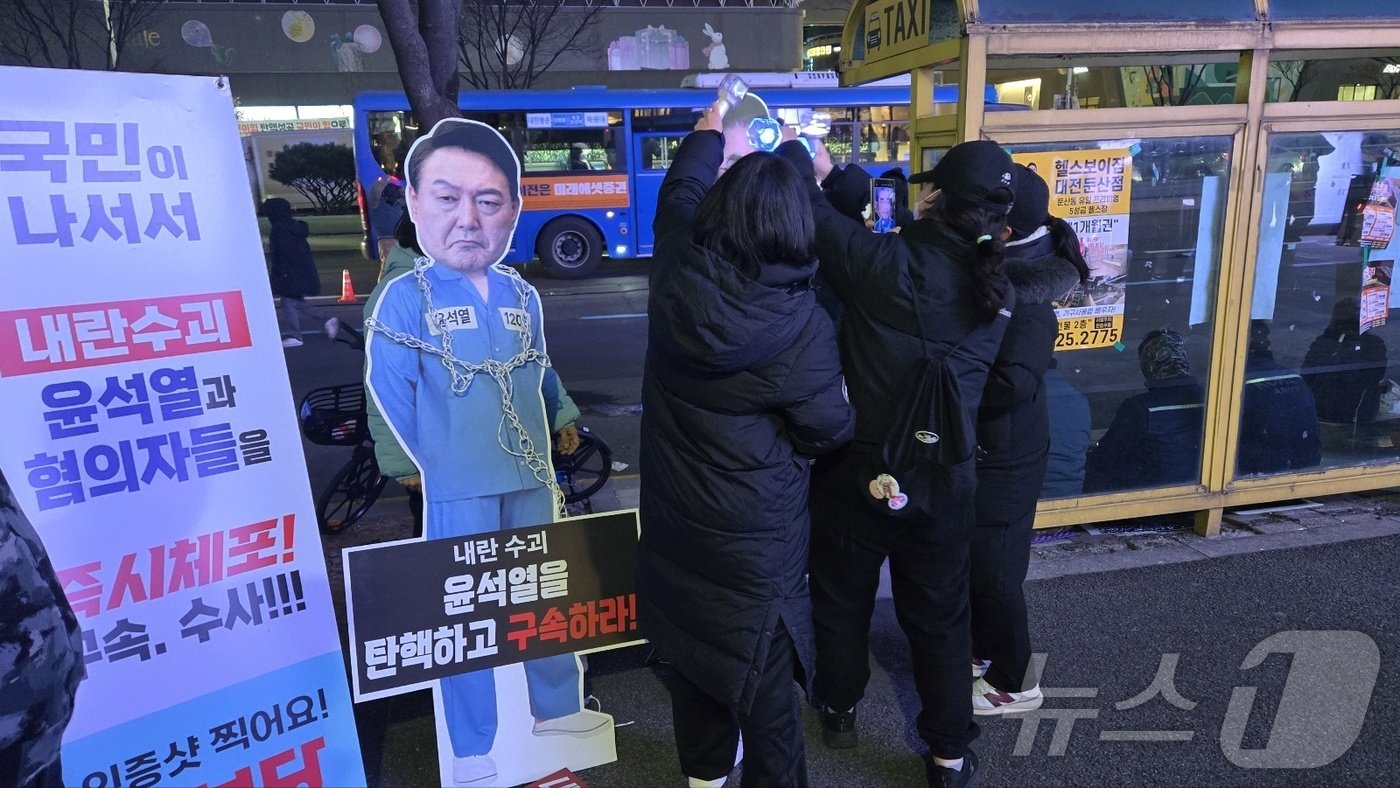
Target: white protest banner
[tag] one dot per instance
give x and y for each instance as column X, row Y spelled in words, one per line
column 150, row 436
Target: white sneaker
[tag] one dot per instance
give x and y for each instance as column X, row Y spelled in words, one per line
column 472, row 769
column 291, row 342
column 696, row 782
column 332, row 328
column 988, row 701
column 979, row 667
column 580, row 723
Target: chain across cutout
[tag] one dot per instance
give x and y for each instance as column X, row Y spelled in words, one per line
column 464, row 373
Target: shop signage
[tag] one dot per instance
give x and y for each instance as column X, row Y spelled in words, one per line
column 1091, row 190
column 893, row 27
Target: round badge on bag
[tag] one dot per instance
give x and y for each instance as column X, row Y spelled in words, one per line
column 884, row 486
column 924, row 436
column 898, row 501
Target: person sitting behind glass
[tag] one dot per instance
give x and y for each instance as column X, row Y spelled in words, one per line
column 1278, row 418
column 1070, row 436
column 1344, row 367
column 1155, row 437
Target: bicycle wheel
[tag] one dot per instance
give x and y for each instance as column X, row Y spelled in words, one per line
column 583, row 473
column 351, row 492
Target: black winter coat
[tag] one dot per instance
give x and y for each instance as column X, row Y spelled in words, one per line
column 1344, row 369
column 1153, row 441
column 290, row 265
column 1278, row 419
column 1013, row 424
column 874, row 275
column 742, row 385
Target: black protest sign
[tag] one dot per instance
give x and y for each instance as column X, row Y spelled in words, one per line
column 423, row 610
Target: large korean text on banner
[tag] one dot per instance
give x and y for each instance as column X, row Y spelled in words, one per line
column 1090, row 189
column 150, row 436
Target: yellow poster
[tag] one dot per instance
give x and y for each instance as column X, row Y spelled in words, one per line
column 1091, row 189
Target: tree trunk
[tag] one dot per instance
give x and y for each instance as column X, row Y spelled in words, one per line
column 425, row 49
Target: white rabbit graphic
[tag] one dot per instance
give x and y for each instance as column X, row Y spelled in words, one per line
column 719, row 58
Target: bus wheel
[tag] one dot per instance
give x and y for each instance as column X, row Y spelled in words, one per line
column 570, row 248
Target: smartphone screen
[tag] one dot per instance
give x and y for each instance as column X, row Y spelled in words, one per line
column 882, row 204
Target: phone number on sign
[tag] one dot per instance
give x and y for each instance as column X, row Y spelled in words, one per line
column 1086, row 337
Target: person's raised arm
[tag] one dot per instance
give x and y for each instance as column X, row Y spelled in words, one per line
column 690, row 176
column 851, row 255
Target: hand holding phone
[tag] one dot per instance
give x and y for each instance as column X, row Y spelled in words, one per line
column 882, row 204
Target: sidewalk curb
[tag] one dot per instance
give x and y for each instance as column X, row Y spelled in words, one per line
column 1341, row 519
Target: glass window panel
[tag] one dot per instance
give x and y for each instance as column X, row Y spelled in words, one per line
column 1317, row 388
column 658, row 152
column 1331, row 9
column 1376, row 76
column 1051, row 11
column 575, row 149
column 391, row 134
column 668, row 119
column 1038, row 84
column 1151, row 232
column 870, row 135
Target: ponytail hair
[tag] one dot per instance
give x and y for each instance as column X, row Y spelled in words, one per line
column 982, row 225
column 1067, row 245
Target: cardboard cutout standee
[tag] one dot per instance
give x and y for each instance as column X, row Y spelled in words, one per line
column 457, row 366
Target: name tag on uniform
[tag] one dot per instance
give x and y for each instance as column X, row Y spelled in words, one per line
column 455, row 318
column 514, row 319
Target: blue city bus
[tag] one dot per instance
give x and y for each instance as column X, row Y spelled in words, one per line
column 593, row 158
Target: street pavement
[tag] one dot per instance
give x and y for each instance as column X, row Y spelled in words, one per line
column 1115, row 613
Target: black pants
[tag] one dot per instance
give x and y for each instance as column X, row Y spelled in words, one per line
column 1001, row 553
column 928, row 569
column 707, row 730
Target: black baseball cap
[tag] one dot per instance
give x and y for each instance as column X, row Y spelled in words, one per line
column 972, row 171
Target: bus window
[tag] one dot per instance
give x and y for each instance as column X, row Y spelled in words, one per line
column 658, row 152
column 511, row 125
column 664, row 119
column 553, row 149
column 390, row 136
column 878, row 134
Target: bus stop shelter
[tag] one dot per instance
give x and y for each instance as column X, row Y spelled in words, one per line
column 1233, row 167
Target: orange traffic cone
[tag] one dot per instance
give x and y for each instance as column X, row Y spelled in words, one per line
column 347, row 290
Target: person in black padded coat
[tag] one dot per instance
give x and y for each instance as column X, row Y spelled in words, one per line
column 947, row 266
column 742, row 386
column 41, row 654
column 1013, row 433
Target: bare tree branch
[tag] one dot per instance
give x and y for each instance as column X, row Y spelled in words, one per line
column 72, row 33
column 544, row 29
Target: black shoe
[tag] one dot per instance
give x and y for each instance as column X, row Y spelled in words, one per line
column 839, row 728
column 943, row 777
